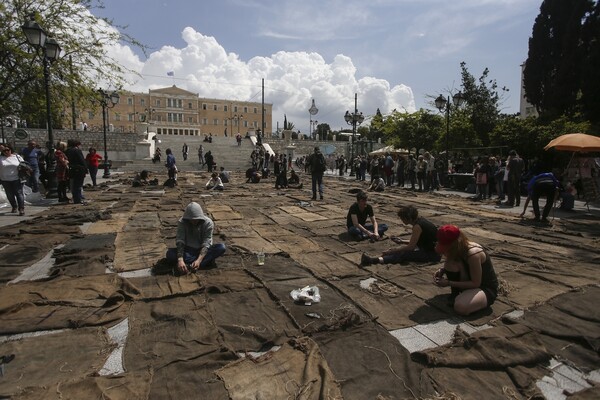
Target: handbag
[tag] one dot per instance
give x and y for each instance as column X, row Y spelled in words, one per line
column 24, row 170
column 481, row 178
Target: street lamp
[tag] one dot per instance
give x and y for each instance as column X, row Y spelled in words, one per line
column 315, row 128
column 38, row 38
column 444, row 105
column 237, row 119
column 107, row 101
column 149, row 112
column 353, row 119
column 313, row 110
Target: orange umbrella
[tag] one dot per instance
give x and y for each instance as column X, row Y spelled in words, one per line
column 578, row 142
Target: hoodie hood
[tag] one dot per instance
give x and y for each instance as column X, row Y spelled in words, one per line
column 193, row 211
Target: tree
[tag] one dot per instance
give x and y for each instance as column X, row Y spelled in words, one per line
column 590, row 79
column 552, row 75
column 482, row 100
column 84, row 62
column 375, row 130
column 420, row 129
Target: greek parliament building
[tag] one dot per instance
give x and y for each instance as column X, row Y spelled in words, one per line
column 174, row 111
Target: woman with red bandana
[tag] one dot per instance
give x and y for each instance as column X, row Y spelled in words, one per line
column 467, row 269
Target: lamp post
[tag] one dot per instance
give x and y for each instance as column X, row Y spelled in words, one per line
column 444, row 105
column 315, row 131
column 237, row 119
column 38, row 38
column 107, row 101
column 313, row 110
column 353, row 119
column 149, row 112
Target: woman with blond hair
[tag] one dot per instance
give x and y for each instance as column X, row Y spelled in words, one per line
column 467, row 269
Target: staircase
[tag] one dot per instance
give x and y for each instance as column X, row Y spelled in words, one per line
column 225, row 151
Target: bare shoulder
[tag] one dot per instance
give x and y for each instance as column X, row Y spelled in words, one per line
column 476, row 251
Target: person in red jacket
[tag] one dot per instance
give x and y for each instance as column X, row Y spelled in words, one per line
column 92, row 160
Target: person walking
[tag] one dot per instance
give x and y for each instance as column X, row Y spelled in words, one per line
column 77, row 169
column 317, row 166
column 201, row 155
column 9, row 176
column 31, row 154
column 515, row 170
column 185, row 150
column 92, row 160
column 171, row 165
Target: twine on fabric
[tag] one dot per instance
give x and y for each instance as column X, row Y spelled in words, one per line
column 392, row 370
column 385, row 289
column 504, row 288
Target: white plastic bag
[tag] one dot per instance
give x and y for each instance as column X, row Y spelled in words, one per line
column 306, row 295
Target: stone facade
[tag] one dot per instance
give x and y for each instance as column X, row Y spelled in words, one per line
column 175, row 111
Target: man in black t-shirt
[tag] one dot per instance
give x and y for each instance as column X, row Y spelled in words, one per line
column 356, row 220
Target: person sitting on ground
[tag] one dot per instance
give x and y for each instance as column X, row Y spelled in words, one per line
column 540, row 185
column 224, row 175
column 377, row 185
column 281, row 182
column 357, row 218
column 420, row 247
column 294, row 180
column 252, row 175
column 143, row 179
column 214, row 182
column 195, row 249
column 467, row 269
column 567, row 197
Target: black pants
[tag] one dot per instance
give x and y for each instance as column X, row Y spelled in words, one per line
column 546, row 189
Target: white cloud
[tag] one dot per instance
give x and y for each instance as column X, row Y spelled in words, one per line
column 292, row 79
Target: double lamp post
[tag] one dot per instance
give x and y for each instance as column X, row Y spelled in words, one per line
column 354, row 119
column 107, row 101
column 38, row 38
column 444, row 106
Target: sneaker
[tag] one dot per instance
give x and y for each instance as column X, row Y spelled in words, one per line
column 365, row 260
column 313, row 198
column 14, row 210
column 321, row 197
column 21, row 212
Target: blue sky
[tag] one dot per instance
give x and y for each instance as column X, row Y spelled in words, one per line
column 393, row 53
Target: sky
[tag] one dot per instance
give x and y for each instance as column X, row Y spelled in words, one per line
column 395, row 54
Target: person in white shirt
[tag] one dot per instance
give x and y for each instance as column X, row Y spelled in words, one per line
column 215, row 183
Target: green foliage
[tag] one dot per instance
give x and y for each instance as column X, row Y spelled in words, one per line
column 376, row 127
column 482, row 99
column 84, row 39
column 421, row 129
column 590, row 78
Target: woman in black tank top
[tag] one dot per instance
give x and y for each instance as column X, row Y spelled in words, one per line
column 467, row 270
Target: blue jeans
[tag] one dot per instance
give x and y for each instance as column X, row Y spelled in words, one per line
column 93, row 173
column 77, row 189
column 317, row 182
column 358, row 234
column 34, row 180
column 190, row 254
column 14, row 193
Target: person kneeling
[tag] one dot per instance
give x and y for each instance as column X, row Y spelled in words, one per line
column 420, row 247
column 467, row 269
column 357, row 218
column 195, row 249
column 215, row 182
column 378, row 184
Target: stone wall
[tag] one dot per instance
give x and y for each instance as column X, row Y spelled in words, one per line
column 305, row 147
column 121, row 146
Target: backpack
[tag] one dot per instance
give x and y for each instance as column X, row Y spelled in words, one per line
column 24, row 169
column 318, row 163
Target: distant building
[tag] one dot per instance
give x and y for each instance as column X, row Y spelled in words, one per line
column 175, row 111
column 525, row 109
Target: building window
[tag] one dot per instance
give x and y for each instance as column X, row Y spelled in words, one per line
column 129, row 101
column 204, row 121
column 204, row 106
column 215, row 121
column 117, row 116
column 191, row 120
column 179, row 103
column 190, row 106
column 225, row 108
column 143, row 102
column 255, row 110
column 215, row 107
column 235, row 109
column 245, row 110
column 130, row 117
column 255, row 124
column 225, row 122
column 158, row 102
column 180, row 117
column 245, row 124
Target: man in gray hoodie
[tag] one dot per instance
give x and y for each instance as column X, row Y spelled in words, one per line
column 195, row 249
